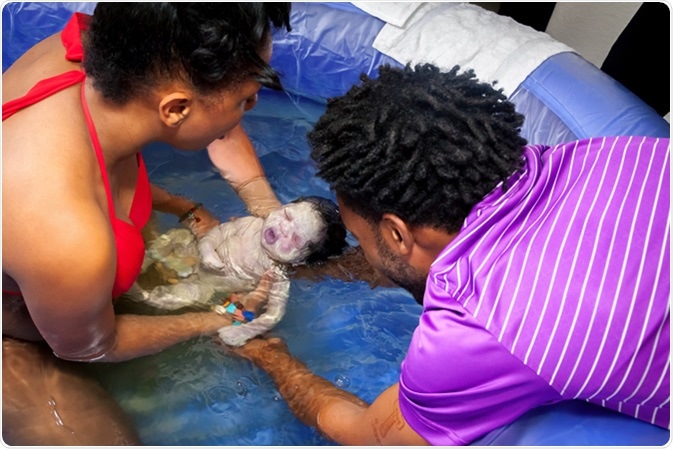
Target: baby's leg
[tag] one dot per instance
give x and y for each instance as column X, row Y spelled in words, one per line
column 176, row 296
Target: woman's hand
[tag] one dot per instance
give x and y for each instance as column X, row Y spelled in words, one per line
column 236, row 160
column 200, row 221
column 193, row 215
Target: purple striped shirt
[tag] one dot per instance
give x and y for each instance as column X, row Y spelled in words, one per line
column 556, row 289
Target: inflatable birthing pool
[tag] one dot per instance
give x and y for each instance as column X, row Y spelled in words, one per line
column 349, row 333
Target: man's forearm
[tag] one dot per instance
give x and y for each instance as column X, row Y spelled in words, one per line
column 305, row 393
column 338, row 415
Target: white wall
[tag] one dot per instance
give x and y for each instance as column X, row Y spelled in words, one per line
column 590, row 28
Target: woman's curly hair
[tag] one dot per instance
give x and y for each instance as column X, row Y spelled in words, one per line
column 420, row 143
column 130, row 48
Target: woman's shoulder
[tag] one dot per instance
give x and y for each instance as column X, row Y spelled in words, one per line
column 45, row 59
column 53, row 207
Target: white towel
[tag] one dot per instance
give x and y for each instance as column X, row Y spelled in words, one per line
column 394, row 13
column 496, row 47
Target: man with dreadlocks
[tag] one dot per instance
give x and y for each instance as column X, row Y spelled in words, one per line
column 542, row 271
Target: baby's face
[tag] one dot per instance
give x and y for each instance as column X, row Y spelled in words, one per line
column 289, row 230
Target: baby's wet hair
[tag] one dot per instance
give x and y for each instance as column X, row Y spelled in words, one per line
column 333, row 242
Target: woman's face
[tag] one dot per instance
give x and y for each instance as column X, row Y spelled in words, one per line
column 212, row 118
column 289, row 230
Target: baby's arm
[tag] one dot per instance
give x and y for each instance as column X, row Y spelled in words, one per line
column 275, row 288
column 207, row 245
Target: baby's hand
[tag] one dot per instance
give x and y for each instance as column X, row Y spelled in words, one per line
column 272, row 292
column 258, row 297
column 209, row 257
column 247, row 302
column 212, row 260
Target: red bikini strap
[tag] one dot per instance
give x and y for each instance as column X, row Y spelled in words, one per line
column 42, row 90
column 99, row 153
column 74, row 51
column 70, row 36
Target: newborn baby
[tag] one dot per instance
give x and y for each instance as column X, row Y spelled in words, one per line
column 234, row 256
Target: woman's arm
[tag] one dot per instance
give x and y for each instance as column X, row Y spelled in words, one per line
column 66, row 283
column 236, row 159
column 140, row 335
column 79, row 323
column 339, row 415
column 192, row 214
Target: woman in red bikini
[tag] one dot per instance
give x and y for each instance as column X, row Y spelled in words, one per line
column 78, row 109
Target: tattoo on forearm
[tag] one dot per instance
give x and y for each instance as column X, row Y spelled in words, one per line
column 394, row 420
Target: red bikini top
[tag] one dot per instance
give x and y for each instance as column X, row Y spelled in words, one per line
column 128, row 237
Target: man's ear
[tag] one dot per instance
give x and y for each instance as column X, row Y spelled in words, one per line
column 397, row 234
column 174, row 108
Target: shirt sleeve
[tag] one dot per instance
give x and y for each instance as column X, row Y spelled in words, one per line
column 458, row 382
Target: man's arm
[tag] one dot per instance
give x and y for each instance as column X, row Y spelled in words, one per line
column 349, row 267
column 337, row 414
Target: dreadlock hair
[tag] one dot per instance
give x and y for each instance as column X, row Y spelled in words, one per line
column 130, row 48
column 333, row 242
column 419, row 143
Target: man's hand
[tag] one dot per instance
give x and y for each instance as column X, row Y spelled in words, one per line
column 260, row 347
column 337, row 414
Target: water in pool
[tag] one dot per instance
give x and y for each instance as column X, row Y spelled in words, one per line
column 355, row 336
